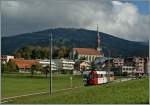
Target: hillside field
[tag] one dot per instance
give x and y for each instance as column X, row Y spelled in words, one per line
column 128, row 92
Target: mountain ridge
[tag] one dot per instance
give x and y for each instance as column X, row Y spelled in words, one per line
column 71, row 37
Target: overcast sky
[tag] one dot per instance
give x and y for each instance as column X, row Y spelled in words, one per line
column 128, row 19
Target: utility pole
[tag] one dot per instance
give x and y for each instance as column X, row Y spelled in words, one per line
column 50, row 68
column 109, row 66
column 120, row 72
column 120, row 67
column 71, row 81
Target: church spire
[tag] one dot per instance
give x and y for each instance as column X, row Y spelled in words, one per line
column 98, row 40
column 97, row 31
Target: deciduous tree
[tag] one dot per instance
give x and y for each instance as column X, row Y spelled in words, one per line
column 11, row 66
column 35, row 68
column 4, row 68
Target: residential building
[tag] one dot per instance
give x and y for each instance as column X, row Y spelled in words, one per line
column 128, row 70
column 90, row 54
column 84, row 65
column 146, row 64
column 66, row 65
column 46, row 62
column 101, row 63
column 81, row 65
column 6, row 58
column 118, row 62
column 24, row 65
column 139, row 64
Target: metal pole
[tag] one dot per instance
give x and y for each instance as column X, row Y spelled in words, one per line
column 120, row 68
column 71, row 81
column 109, row 54
column 50, row 59
column 132, row 73
column 109, row 66
column 120, row 72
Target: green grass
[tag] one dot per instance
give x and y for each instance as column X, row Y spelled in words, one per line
column 133, row 91
column 20, row 84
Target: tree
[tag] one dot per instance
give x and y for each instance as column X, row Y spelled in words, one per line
column 76, row 55
column 46, row 70
column 30, row 52
column 4, row 67
column 55, row 52
column 35, row 67
column 17, row 54
column 24, row 52
column 36, row 53
column 44, row 53
column 11, row 66
column 63, row 52
column 109, row 67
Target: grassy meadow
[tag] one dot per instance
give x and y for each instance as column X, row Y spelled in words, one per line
column 128, row 92
column 20, row 84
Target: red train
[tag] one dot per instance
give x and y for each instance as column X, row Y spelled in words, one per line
column 94, row 77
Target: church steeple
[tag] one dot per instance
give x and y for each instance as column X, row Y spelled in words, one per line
column 98, row 40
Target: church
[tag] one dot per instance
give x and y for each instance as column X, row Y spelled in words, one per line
column 90, row 54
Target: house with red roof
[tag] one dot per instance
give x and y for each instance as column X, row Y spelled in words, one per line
column 90, row 54
column 24, row 65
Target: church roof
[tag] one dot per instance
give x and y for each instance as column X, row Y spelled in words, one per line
column 87, row 51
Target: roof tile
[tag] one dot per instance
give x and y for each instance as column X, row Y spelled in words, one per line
column 87, row 51
column 21, row 63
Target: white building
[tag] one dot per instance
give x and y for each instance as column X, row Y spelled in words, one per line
column 46, row 62
column 6, row 58
column 128, row 69
column 118, row 62
column 139, row 64
column 66, row 65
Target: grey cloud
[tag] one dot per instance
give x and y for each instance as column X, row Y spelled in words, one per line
column 121, row 20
